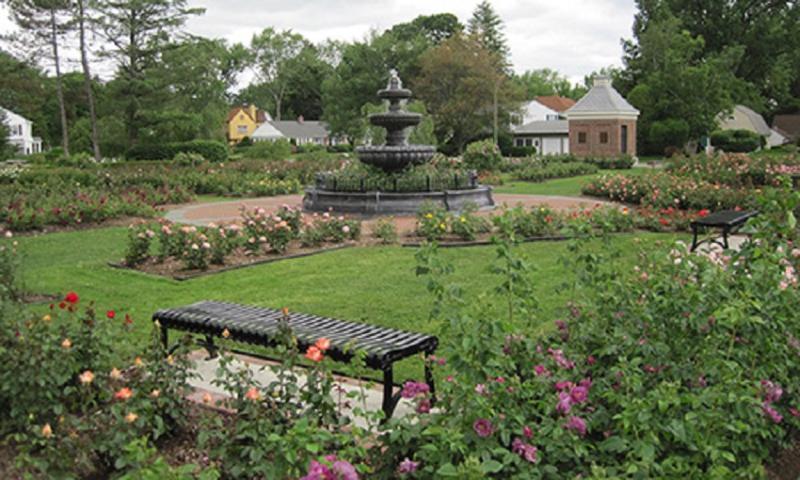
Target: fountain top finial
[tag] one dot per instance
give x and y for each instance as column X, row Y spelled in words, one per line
column 394, row 81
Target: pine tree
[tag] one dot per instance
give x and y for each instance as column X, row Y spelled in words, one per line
column 487, row 26
column 137, row 32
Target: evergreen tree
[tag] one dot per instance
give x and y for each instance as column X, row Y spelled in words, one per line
column 5, row 145
column 487, row 26
column 138, row 31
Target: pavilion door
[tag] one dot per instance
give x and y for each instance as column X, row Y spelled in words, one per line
column 624, row 139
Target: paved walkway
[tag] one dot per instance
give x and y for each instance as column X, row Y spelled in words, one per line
column 229, row 211
column 205, row 370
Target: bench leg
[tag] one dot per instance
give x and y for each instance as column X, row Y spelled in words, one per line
column 725, row 232
column 694, row 238
column 429, row 381
column 388, row 393
column 165, row 338
column 210, row 347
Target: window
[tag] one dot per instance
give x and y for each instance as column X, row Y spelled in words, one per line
column 519, row 142
column 528, row 142
column 603, row 137
column 581, row 137
column 242, row 129
column 551, row 116
column 536, row 143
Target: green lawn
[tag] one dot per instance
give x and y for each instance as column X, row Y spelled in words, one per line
column 374, row 284
column 567, row 187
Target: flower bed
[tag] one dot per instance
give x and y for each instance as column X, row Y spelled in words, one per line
column 437, row 224
column 61, row 197
column 169, row 249
column 720, row 182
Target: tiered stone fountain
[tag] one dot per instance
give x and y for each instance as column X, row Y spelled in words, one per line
column 392, row 158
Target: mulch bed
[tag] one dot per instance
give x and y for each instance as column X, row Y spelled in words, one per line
column 175, row 269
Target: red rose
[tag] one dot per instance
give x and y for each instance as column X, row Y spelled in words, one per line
column 703, row 213
column 72, row 298
column 111, row 314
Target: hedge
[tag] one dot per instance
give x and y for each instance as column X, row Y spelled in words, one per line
column 210, row 150
column 739, row 141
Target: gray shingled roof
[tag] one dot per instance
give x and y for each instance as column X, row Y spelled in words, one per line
column 543, row 127
column 756, row 120
column 602, row 98
column 305, row 129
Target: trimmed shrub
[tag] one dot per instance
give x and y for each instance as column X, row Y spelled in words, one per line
column 483, row 155
column 340, row 148
column 739, row 141
column 269, row 150
column 668, row 134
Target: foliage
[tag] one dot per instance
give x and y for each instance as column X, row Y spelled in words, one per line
column 72, row 407
column 137, row 34
column 386, row 230
column 537, row 173
column 271, row 54
column 432, row 221
column 275, row 150
column 545, row 82
column 487, row 26
column 198, row 247
column 458, row 81
column 736, row 141
column 277, row 430
column 677, row 82
column 208, row 149
column 445, row 174
column 698, row 373
column 466, row 225
column 482, row 155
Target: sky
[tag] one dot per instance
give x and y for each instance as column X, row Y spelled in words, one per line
column 573, row 37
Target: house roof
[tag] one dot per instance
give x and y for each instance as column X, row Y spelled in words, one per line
column 261, row 115
column 788, row 125
column 12, row 117
column 304, row 129
column 266, row 131
column 554, row 102
column 603, row 100
column 755, row 119
column 543, row 127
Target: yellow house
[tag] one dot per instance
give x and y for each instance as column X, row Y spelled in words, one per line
column 243, row 121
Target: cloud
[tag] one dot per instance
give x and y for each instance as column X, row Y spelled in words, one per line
column 574, row 37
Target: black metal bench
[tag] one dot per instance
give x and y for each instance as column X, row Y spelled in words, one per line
column 259, row 326
column 729, row 221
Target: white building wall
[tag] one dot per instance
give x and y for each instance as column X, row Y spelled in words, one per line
column 21, row 133
column 534, row 111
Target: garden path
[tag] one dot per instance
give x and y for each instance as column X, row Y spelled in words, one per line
column 205, row 370
column 229, row 211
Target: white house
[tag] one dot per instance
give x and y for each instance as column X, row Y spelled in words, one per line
column 299, row 132
column 744, row 118
column 21, row 133
column 542, row 125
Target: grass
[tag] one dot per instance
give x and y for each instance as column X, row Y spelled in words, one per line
column 566, row 187
column 375, row 284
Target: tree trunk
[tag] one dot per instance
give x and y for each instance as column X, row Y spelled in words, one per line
column 59, row 86
column 87, row 79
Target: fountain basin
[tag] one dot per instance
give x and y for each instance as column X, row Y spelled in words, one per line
column 394, row 158
column 393, row 203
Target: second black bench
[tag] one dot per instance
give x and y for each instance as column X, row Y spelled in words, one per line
column 259, row 326
column 729, row 221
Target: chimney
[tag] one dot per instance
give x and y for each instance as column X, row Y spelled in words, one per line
column 602, row 81
column 300, row 119
column 251, row 109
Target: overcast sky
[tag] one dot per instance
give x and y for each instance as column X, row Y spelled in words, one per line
column 574, row 37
